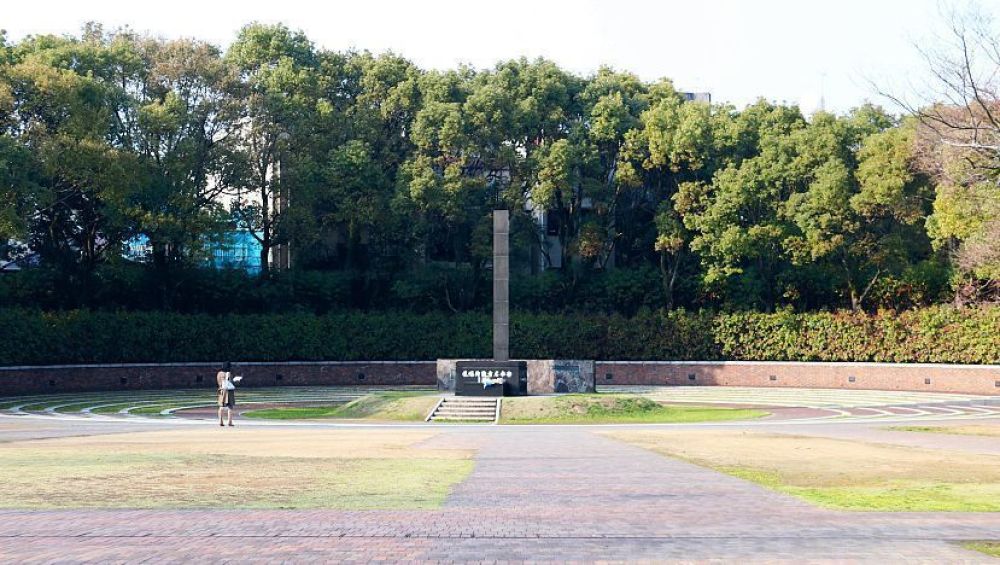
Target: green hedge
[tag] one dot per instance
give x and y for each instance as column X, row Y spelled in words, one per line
column 938, row 334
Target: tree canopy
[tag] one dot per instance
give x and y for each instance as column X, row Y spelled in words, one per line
column 368, row 166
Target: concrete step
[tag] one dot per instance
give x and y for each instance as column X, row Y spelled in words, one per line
column 468, row 406
column 479, row 404
column 471, row 402
column 465, row 410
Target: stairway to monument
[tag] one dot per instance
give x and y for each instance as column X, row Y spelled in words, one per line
column 466, row 409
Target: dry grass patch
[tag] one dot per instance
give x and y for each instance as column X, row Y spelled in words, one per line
column 840, row 473
column 231, row 468
column 987, row 430
column 388, row 406
column 213, row 440
column 14, row 426
column 987, row 547
column 611, row 408
column 391, row 407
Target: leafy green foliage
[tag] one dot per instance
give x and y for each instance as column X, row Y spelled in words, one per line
column 938, row 334
column 375, row 180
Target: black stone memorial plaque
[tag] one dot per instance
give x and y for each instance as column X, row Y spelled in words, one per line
column 491, row 378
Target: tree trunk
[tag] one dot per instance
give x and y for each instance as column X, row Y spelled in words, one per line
column 768, row 297
column 864, row 294
column 162, row 277
column 265, row 238
column 668, row 276
column 265, row 255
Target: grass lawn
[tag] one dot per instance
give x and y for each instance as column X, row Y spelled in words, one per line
column 8, row 404
column 139, row 409
column 232, row 468
column 610, row 409
column 111, row 408
column 146, row 409
column 394, row 406
column 970, row 430
column 987, row 547
column 151, row 410
column 840, row 474
column 295, row 412
column 70, row 408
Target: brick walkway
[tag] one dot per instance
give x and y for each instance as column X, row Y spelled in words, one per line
column 536, row 494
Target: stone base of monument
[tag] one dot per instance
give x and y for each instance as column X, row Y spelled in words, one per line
column 540, row 376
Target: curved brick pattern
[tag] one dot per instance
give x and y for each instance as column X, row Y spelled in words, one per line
column 392, row 550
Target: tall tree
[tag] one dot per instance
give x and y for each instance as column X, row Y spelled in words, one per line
column 828, row 227
column 179, row 128
column 959, row 146
column 276, row 69
column 674, row 143
column 61, row 113
column 737, row 217
column 19, row 171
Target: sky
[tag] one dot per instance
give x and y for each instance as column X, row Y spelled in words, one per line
column 807, row 52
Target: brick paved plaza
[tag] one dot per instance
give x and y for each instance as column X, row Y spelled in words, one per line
column 536, row 494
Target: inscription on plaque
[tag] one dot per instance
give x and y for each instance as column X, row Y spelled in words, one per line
column 491, row 378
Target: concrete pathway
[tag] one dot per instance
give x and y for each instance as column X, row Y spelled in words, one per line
column 536, row 494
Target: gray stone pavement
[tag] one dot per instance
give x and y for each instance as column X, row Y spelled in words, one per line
column 24, row 429
column 536, row 494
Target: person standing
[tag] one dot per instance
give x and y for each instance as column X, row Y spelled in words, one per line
column 227, row 391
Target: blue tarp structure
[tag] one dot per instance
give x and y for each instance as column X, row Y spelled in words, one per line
column 236, row 250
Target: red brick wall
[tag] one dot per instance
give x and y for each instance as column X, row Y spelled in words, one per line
column 80, row 378
column 968, row 379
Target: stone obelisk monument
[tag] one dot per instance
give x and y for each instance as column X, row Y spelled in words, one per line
column 498, row 376
column 501, row 285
